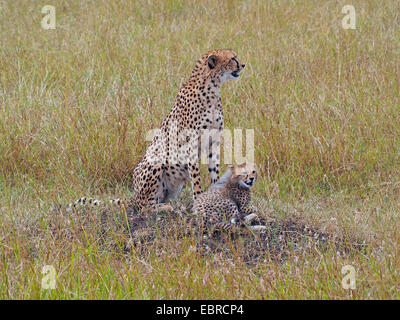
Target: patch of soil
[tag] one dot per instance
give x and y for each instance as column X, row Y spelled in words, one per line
column 125, row 229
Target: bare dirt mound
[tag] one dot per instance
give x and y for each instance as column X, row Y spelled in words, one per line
column 122, row 231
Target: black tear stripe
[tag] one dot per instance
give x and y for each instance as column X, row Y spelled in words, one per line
column 237, row 63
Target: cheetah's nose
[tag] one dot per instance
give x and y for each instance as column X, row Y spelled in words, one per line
column 243, row 65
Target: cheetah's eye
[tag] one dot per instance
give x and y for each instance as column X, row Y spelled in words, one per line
column 254, row 172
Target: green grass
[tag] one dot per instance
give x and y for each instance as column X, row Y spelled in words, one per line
column 76, row 103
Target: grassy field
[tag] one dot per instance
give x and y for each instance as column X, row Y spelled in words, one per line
column 76, row 104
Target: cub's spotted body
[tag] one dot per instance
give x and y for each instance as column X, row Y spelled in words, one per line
column 226, row 204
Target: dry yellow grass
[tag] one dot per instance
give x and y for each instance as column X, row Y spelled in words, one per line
column 76, row 103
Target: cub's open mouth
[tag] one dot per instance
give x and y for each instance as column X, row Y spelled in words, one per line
column 235, row 73
column 249, row 183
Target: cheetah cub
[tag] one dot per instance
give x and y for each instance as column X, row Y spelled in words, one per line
column 226, row 204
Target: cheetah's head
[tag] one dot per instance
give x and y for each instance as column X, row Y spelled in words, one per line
column 221, row 65
column 244, row 174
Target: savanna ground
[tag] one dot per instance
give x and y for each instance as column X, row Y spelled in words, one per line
column 76, row 104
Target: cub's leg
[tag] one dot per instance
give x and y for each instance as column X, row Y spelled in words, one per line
column 258, row 228
column 249, row 218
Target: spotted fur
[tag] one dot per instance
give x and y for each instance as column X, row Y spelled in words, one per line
column 161, row 174
column 226, row 204
column 118, row 203
column 92, row 202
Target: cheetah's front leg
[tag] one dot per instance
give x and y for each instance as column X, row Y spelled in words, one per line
column 248, row 209
column 249, row 212
column 214, row 156
column 194, row 172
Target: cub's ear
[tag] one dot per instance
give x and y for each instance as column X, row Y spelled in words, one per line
column 212, row 61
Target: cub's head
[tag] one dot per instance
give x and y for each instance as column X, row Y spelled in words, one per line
column 221, row 65
column 244, row 174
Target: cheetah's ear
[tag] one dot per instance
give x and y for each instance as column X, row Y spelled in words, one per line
column 212, row 61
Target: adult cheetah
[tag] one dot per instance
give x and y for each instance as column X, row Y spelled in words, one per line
column 194, row 125
column 173, row 155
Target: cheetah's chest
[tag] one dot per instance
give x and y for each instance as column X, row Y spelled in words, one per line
column 212, row 119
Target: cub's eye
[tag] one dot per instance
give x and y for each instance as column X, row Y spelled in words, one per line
column 254, row 171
